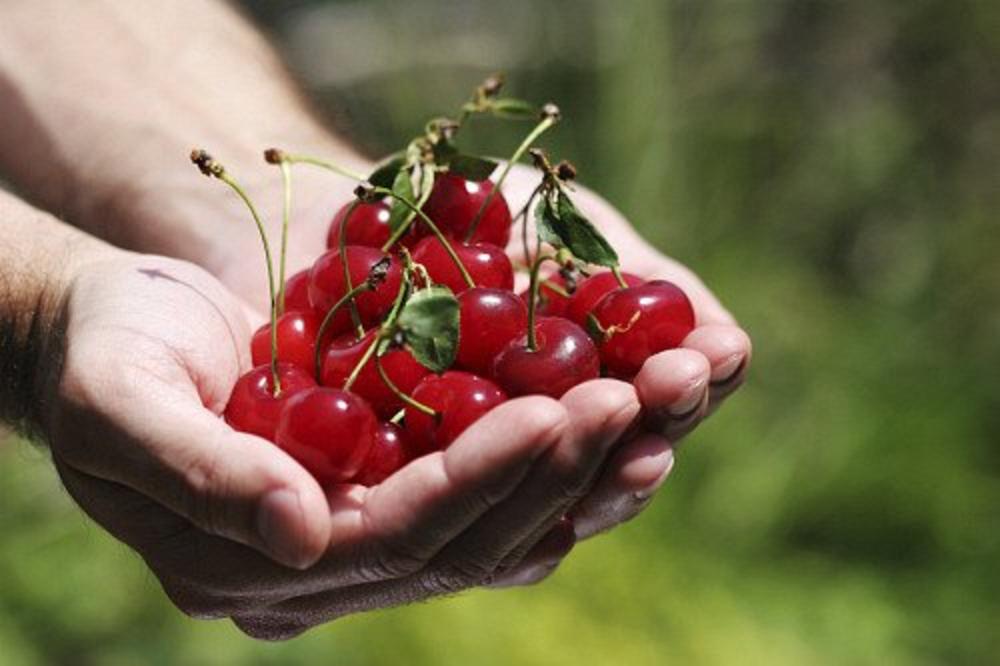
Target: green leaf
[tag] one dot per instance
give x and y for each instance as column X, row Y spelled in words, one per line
column 472, row 168
column 429, row 322
column 443, row 151
column 385, row 174
column 400, row 213
column 507, row 107
column 560, row 224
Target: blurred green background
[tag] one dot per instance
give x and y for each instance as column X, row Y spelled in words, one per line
column 831, row 169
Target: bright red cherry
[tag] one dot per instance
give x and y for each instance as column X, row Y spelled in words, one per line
column 454, row 203
column 489, row 320
column 459, row 398
column 642, row 321
column 590, row 291
column 368, row 225
column 297, row 333
column 488, row 265
column 565, row 357
column 386, row 457
column 344, row 355
column 330, row 432
column 297, row 293
column 253, row 407
column 550, row 303
column 327, row 286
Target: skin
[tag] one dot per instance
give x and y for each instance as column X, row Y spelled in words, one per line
column 133, row 354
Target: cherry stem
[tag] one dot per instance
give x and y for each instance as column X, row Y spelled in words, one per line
column 430, row 225
column 325, row 164
column 540, row 129
column 346, row 298
column 552, row 286
column 536, row 284
column 408, row 400
column 617, row 272
column 286, row 180
column 359, row 329
column 387, row 327
column 524, row 225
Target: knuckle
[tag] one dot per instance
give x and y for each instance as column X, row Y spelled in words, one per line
column 387, row 560
column 455, row 577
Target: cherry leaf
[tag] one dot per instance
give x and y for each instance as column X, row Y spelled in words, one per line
column 472, row 168
column 385, row 173
column 429, row 322
column 400, row 213
column 560, row 224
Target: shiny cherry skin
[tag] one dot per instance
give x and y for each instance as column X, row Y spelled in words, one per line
column 488, row 265
column 459, row 398
column 327, row 286
column 591, row 290
column 566, row 356
column 343, row 356
column 387, row 456
column 328, row 431
column 489, row 320
column 453, row 204
column 253, row 407
column 368, row 225
column 642, row 321
column 297, row 293
column 297, row 333
column 550, row 303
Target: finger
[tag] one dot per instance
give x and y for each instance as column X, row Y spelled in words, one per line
column 673, row 389
column 727, row 348
column 542, row 560
column 627, row 485
column 174, row 451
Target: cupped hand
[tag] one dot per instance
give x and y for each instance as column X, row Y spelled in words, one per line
column 232, row 526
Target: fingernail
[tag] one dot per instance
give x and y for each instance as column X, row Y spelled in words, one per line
column 691, row 401
column 727, row 369
column 279, row 515
column 650, row 490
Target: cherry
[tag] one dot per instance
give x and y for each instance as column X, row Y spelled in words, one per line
column 639, row 322
column 550, row 303
column 297, row 293
column 592, row 290
column 368, row 226
column 297, row 333
column 254, row 408
column 459, row 398
column 387, row 456
column 330, row 432
column 565, row 356
column 454, row 203
column 488, row 265
column 489, row 320
column 344, row 355
column 327, row 286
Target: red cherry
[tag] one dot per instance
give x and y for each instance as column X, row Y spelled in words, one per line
column 329, row 432
column 565, row 357
column 343, row 356
column 642, row 321
column 386, row 457
column 550, row 303
column 326, row 286
column 590, row 291
column 368, row 226
column 297, row 293
column 253, row 408
column 459, row 398
column 488, row 265
column 297, row 333
column 489, row 320
column 454, row 203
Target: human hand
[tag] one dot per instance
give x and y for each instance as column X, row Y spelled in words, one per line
column 152, row 347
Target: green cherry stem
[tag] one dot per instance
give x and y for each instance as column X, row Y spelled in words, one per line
column 408, row 400
column 209, row 167
column 548, row 121
column 346, row 298
column 387, row 329
column 536, row 284
column 325, row 164
column 286, row 214
column 616, row 270
column 359, row 329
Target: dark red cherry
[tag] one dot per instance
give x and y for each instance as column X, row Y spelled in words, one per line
column 490, row 319
column 591, row 290
column 639, row 322
column 488, row 265
column 344, row 355
column 454, row 203
column 565, row 357
column 459, row 398
column 327, row 286
column 297, row 333
column 368, row 225
column 330, row 432
column 253, row 408
column 550, row 303
column 386, row 457
column 297, row 293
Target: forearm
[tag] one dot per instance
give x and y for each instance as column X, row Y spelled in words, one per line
column 103, row 100
column 38, row 257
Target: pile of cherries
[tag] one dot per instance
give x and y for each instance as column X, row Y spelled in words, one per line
column 348, row 391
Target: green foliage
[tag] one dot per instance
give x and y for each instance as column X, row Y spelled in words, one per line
column 429, row 322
